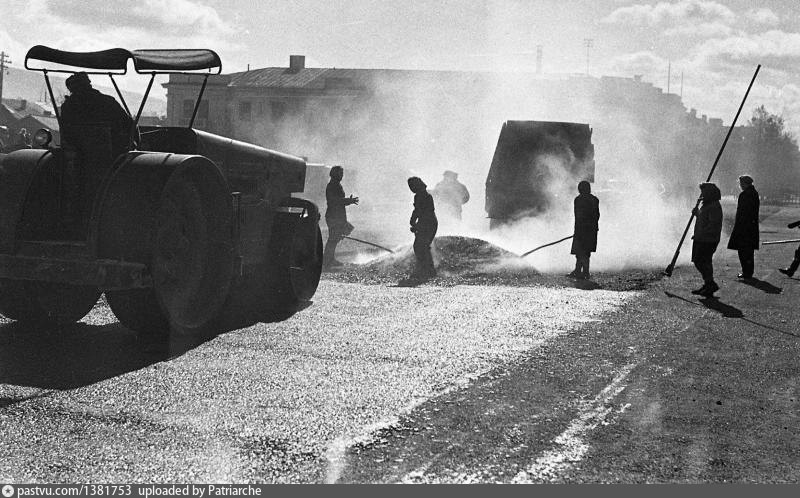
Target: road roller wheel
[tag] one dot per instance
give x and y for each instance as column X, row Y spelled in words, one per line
column 193, row 262
column 138, row 310
column 46, row 303
column 296, row 256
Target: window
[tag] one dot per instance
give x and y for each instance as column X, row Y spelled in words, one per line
column 278, row 110
column 245, row 110
column 188, row 109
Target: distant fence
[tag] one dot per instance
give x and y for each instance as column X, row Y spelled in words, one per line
column 782, row 200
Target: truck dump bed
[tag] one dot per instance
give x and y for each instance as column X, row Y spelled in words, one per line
column 533, row 159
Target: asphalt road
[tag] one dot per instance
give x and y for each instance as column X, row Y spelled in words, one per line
column 437, row 383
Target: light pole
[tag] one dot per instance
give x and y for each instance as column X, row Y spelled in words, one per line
column 588, row 43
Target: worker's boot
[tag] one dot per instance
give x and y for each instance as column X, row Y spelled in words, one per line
column 710, row 289
column 792, row 268
column 578, row 271
column 700, row 291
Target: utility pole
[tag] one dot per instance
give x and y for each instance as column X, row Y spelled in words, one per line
column 669, row 74
column 538, row 59
column 3, row 62
column 588, row 43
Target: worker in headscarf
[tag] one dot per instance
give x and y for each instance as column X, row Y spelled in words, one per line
column 707, row 231
column 584, row 238
column 336, row 216
column 87, row 106
column 744, row 237
column 450, row 195
column 424, row 225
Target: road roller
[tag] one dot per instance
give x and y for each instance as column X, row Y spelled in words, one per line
column 184, row 231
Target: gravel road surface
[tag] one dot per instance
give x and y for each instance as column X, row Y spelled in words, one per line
column 278, row 402
column 531, row 379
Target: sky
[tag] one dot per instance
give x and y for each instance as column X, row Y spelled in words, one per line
column 712, row 46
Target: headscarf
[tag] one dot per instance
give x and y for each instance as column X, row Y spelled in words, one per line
column 710, row 193
column 416, row 184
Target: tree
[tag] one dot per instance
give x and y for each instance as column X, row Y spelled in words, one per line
column 775, row 159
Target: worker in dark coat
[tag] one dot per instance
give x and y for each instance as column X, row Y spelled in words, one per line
column 707, row 232
column 584, row 239
column 424, row 225
column 87, row 106
column 744, row 237
column 796, row 261
column 451, row 195
column 336, row 216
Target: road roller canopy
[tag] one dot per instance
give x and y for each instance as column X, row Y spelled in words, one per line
column 176, row 60
column 115, row 60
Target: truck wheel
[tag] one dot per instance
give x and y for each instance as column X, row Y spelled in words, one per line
column 46, row 303
column 193, row 263
column 138, row 310
column 296, row 255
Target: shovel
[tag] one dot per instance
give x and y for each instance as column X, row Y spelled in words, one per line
column 545, row 245
column 369, row 243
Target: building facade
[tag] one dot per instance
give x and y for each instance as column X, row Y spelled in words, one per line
column 388, row 123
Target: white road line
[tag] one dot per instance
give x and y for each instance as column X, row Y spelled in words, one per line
column 336, row 454
column 570, row 444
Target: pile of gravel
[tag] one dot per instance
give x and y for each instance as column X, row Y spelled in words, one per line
column 471, row 261
column 457, row 260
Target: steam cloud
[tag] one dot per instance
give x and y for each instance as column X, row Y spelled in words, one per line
column 425, row 124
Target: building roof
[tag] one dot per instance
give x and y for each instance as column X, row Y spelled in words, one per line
column 8, row 115
column 320, row 78
column 24, row 107
column 51, row 123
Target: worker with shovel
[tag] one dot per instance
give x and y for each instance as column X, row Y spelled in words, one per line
column 584, row 240
column 336, row 216
column 424, row 225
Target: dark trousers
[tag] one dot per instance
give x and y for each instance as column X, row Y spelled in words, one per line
column 795, row 262
column 582, row 263
column 702, row 254
column 706, row 270
column 329, row 254
column 747, row 260
column 422, row 250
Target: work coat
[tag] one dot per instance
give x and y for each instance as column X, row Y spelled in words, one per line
column 423, row 218
column 336, row 214
column 587, row 215
column 745, row 226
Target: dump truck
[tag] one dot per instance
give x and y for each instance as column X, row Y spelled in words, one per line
column 184, row 231
column 532, row 162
